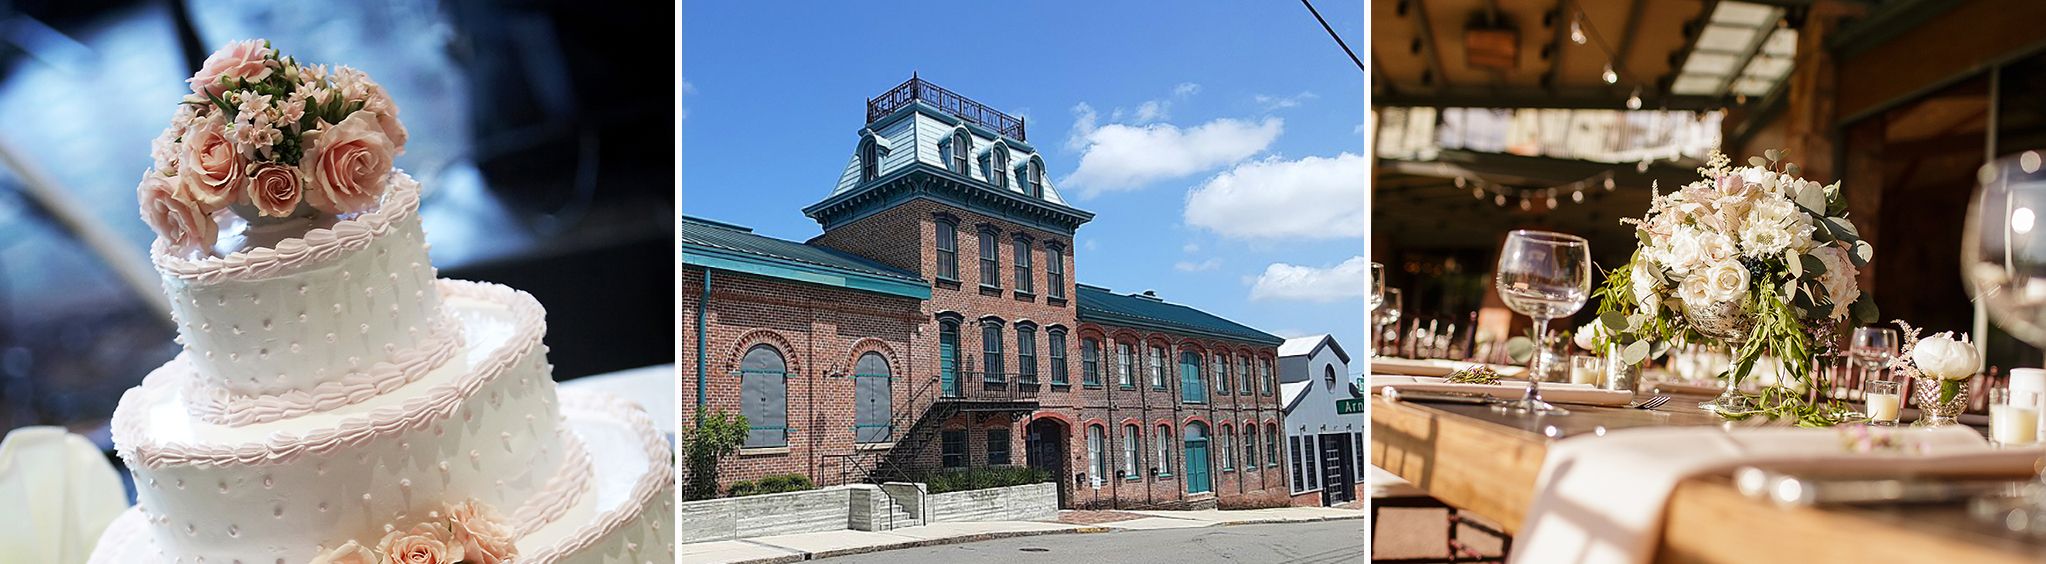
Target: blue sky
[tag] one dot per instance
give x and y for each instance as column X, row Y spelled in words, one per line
column 1218, row 143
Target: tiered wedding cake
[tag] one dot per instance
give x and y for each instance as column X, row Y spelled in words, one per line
column 335, row 401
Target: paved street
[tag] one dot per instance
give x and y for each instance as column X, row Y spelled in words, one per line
column 1305, row 543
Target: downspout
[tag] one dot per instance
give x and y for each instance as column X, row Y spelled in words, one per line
column 702, row 310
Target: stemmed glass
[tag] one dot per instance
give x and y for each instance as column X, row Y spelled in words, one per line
column 1543, row 275
column 1388, row 313
column 1377, row 285
column 1872, row 347
column 2003, row 262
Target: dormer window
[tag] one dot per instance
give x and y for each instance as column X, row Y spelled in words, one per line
column 1033, row 177
column 962, row 145
column 870, row 159
column 998, row 167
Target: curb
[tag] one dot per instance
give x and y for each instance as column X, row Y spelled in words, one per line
column 1275, row 521
column 920, row 543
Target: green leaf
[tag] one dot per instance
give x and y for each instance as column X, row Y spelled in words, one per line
column 1812, row 264
column 1793, row 170
column 1812, row 199
column 1658, row 349
column 1520, row 349
column 1864, row 310
column 1841, row 228
column 1773, row 154
column 217, row 101
column 1861, row 254
column 1790, row 261
column 1757, row 162
column 1615, row 322
column 1634, row 353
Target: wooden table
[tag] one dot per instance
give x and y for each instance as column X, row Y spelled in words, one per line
column 1485, row 461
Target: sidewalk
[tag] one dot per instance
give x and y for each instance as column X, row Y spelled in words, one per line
column 811, row 546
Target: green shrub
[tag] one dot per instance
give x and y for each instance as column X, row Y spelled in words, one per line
column 777, row 483
column 715, row 435
column 984, row 478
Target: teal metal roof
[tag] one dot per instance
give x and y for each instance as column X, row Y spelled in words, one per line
column 714, row 244
column 1100, row 305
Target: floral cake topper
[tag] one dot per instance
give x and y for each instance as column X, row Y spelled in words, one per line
column 468, row 532
column 264, row 136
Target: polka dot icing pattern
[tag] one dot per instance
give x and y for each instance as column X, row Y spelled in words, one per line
column 485, row 425
column 340, row 303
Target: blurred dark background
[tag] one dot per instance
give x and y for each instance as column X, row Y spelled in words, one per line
column 542, row 132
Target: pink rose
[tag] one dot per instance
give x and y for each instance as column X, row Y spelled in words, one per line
column 210, row 170
column 350, row 553
column 275, row 189
column 425, row 543
column 240, row 60
column 182, row 223
column 346, row 165
column 481, row 533
column 386, row 110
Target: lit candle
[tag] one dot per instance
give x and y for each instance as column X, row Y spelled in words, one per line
column 1581, row 374
column 2013, row 424
column 1883, row 407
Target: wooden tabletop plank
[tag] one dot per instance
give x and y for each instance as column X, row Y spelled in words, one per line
column 1487, row 464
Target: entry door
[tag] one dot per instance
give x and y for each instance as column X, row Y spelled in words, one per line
column 1336, row 470
column 1197, row 460
column 948, row 359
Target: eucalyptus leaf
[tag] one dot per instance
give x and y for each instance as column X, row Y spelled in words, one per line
column 1793, row 170
column 1635, row 353
column 1812, row 199
column 1658, row 349
column 1861, row 254
column 1842, row 229
column 1812, row 264
column 1520, row 349
column 1615, row 322
column 1864, row 310
column 1773, row 154
column 1790, row 261
column 1757, row 162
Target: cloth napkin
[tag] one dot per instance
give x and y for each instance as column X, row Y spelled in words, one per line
column 1583, row 394
column 1600, row 500
column 59, row 493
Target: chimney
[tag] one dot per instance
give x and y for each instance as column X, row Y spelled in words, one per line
column 1150, row 295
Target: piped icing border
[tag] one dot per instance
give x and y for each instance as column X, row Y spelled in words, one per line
column 436, row 404
column 221, row 407
column 570, row 484
column 658, row 479
column 317, row 246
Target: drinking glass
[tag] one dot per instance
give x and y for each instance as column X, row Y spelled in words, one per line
column 1587, row 369
column 1377, row 282
column 1872, row 349
column 2013, row 417
column 1543, row 275
column 2003, row 250
column 1388, row 313
column 1885, row 401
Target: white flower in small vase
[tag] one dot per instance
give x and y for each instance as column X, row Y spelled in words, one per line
column 1950, row 361
column 1589, row 336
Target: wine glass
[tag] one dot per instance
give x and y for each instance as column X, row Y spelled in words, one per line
column 1543, row 275
column 1388, row 313
column 2003, row 266
column 1872, row 347
column 1377, row 285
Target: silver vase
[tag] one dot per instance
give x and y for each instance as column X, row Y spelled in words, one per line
column 1731, row 323
column 1935, row 413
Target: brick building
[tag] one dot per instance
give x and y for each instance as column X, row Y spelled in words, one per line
column 936, row 324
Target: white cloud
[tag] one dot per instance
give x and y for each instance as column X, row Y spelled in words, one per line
column 1272, row 198
column 1126, row 157
column 1084, row 118
column 1090, row 245
column 1191, row 247
column 1282, row 281
column 1270, row 103
column 1203, row 266
column 1185, row 89
column 1153, row 110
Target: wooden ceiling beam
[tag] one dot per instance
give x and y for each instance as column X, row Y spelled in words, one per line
column 1432, row 55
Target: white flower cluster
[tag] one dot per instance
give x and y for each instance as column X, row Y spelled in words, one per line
column 1696, row 238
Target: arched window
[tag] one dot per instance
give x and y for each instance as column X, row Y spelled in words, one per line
column 1033, row 177
column 948, row 356
column 1132, row 449
column 1328, row 375
column 1220, row 367
column 962, row 145
column 998, row 166
column 1026, row 353
column 1024, row 276
column 1249, row 447
column 764, row 395
column 1055, row 270
column 1157, row 367
column 948, row 249
column 870, row 159
column 1264, row 376
column 1191, row 388
column 1163, row 444
column 1097, row 461
column 1125, row 365
column 1243, row 373
column 1057, row 341
column 1271, row 444
column 1090, row 362
column 873, row 404
column 990, row 259
column 1228, row 453
column 991, row 352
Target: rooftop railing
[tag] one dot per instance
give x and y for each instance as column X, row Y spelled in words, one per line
column 916, row 89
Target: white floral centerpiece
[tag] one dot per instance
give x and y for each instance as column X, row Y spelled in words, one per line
column 268, row 140
column 1754, row 258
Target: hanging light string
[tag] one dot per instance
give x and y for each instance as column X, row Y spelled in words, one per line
column 1527, row 197
column 1580, row 27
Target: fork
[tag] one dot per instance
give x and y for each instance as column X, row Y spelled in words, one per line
column 1650, row 403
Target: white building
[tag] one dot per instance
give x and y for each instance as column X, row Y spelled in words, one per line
column 1324, row 450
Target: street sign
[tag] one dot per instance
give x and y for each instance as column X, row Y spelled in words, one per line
column 1349, row 406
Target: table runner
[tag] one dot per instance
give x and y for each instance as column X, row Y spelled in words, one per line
column 1600, row 500
column 1583, row 394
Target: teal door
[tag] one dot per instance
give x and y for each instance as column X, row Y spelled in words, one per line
column 948, row 358
column 1197, row 479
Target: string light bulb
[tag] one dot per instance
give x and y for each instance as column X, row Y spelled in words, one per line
column 1609, row 76
column 1577, row 197
column 1499, row 200
column 1526, row 204
column 1459, row 182
column 1609, row 183
column 1478, row 193
column 1576, row 31
column 1552, row 202
column 1634, row 100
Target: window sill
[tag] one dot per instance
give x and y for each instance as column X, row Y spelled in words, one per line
column 1091, row 386
column 1128, row 387
column 874, row 446
column 1058, row 386
column 763, row 451
column 987, row 290
column 1133, row 479
column 946, row 283
column 1055, row 300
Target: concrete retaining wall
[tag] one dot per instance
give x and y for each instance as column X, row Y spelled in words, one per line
column 1014, row 503
column 828, row 509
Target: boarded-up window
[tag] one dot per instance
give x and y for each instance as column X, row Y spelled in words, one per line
column 764, row 388
column 872, row 399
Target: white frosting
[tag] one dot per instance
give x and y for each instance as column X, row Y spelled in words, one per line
column 484, row 425
column 354, row 304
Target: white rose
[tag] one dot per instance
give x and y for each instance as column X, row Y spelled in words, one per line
column 1696, row 291
column 1685, row 253
column 1718, row 248
column 1839, row 279
column 1588, row 336
column 1941, row 356
column 1726, row 281
column 1646, row 281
